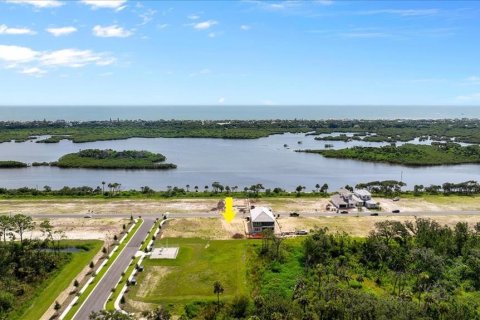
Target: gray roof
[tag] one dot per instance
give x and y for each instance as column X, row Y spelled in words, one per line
column 261, row 214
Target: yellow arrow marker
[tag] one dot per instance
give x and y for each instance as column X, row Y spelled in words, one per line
column 229, row 213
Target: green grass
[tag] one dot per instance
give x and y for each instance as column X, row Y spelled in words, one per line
column 111, row 301
column 275, row 277
column 190, row 277
column 102, row 272
column 47, row 293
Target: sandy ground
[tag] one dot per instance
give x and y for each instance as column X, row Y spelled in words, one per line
column 84, row 229
column 282, row 205
column 106, row 206
column 207, row 228
column 361, row 226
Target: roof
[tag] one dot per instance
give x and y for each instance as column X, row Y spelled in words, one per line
column 261, row 214
column 337, row 200
column 344, row 192
column 362, row 192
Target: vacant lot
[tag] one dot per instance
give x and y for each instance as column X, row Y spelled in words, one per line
column 84, row 229
column 205, row 228
column 189, row 278
column 281, row 205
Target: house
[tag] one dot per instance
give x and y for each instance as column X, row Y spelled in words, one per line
column 261, row 218
column 346, row 199
column 366, row 197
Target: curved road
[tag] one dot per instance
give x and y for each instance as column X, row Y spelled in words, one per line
column 98, row 297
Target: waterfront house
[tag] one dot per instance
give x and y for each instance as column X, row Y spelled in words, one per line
column 366, row 197
column 261, row 218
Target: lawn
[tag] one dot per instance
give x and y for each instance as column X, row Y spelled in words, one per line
column 48, row 291
column 190, row 277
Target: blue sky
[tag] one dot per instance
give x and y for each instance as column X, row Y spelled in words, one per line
column 91, row 52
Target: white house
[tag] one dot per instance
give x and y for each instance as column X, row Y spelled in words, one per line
column 348, row 200
column 366, row 197
column 261, row 218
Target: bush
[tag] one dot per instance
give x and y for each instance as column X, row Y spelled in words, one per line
column 238, row 236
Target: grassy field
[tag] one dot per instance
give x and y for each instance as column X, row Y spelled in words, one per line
column 49, row 290
column 190, row 277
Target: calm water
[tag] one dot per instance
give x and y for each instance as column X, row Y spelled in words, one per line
column 231, row 162
column 237, row 112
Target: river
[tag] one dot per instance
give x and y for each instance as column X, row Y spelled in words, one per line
column 230, row 162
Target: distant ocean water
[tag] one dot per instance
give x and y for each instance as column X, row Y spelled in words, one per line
column 85, row 113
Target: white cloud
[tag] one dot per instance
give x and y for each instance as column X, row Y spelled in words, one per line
column 324, row 2
column 111, row 31
column 473, row 80
column 162, row 26
column 16, row 54
column 63, row 31
column 31, row 62
column 205, row 24
column 474, row 97
column 402, row 12
column 268, row 103
column 15, row 31
column 34, row 71
column 364, row 35
column 74, row 58
column 245, row 27
column 147, row 16
column 39, row 3
column 221, row 100
column 193, row 17
column 117, row 5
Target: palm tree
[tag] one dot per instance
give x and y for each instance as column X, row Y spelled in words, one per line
column 188, row 187
column 196, row 188
column 218, row 290
column 103, row 186
column 317, row 186
column 6, row 225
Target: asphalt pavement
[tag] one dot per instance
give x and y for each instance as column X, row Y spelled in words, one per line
column 98, row 297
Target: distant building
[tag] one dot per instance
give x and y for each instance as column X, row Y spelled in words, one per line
column 343, row 200
column 261, row 218
column 346, row 199
column 366, row 197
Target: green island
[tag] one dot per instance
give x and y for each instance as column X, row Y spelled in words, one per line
column 12, row 164
column 408, row 154
column 403, row 270
column 460, row 130
column 102, row 159
column 111, row 159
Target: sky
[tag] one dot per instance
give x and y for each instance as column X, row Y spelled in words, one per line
column 251, row 52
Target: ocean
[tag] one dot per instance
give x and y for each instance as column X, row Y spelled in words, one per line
column 87, row 113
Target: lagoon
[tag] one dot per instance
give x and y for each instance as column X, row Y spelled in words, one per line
column 231, row 162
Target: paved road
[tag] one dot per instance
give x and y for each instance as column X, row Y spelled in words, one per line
column 282, row 214
column 99, row 295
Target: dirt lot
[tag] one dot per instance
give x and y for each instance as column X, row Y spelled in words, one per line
column 106, row 206
column 207, row 228
column 83, row 229
column 281, row 205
